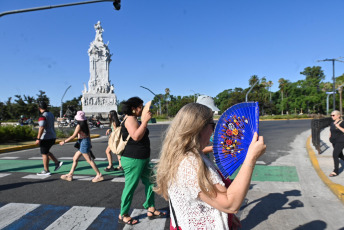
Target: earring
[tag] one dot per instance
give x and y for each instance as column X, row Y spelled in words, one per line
column 133, row 111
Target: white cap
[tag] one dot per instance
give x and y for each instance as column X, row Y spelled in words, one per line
column 207, row 101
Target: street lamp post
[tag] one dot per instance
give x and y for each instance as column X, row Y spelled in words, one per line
column 327, row 101
column 251, row 89
column 340, row 90
column 194, row 95
column 154, row 95
column 333, row 60
column 62, row 100
column 116, row 4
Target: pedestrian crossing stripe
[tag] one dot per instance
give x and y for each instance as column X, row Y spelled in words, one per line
column 52, row 217
column 4, row 174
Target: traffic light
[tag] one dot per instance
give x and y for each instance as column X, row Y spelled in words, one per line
column 117, row 4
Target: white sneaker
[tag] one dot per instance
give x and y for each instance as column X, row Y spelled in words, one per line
column 58, row 165
column 43, row 173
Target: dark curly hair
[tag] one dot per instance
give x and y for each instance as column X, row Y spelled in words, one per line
column 132, row 102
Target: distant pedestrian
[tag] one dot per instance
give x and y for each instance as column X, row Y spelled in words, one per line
column 135, row 160
column 337, row 140
column 114, row 123
column 46, row 138
column 198, row 195
column 84, row 148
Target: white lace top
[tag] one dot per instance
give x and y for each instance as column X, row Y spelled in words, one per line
column 192, row 212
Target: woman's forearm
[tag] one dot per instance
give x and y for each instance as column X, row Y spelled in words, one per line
column 238, row 189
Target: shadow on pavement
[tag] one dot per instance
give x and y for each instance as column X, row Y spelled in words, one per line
column 21, row 184
column 268, row 205
column 314, row 225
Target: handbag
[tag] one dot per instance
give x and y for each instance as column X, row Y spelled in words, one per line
column 116, row 142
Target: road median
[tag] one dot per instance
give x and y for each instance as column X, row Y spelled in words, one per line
column 19, row 146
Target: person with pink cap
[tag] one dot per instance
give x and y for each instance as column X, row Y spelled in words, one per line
column 84, row 147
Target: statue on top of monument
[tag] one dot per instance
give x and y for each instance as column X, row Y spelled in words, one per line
column 99, row 32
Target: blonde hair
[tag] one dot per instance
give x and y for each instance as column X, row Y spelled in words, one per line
column 182, row 138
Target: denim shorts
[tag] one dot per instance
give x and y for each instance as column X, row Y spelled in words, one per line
column 85, row 145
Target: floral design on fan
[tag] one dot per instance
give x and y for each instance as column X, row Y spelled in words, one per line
column 232, row 131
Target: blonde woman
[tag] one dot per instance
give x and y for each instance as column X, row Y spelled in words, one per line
column 187, row 178
column 337, row 140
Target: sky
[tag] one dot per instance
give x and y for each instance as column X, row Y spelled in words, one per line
column 190, row 47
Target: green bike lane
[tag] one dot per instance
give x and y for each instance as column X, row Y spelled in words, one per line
column 260, row 173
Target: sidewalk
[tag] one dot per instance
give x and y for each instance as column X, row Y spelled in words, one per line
column 323, row 164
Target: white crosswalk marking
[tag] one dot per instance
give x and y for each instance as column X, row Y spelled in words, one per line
column 85, row 178
column 37, row 177
column 8, row 158
column 13, row 211
column 76, row 218
column 35, row 158
column 118, row 179
column 4, row 174
column 145, row 223
column 65, row 158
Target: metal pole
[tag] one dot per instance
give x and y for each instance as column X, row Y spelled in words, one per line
column 61, row 112
column 251, row 89
column 50, row 7
column 334, row 87
column 327, row 104
column 154, row 95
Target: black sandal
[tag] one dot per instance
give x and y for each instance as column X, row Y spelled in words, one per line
column 118, row 169
column 154, row 216
column 109, row 169
column 129, row 222
column 333, row 174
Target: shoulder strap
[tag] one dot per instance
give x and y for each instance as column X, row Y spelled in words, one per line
column 122, row 125
column 174, row 216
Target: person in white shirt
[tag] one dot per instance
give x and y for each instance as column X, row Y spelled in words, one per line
column 191, row 182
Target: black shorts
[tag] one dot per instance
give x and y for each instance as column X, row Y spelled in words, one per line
column 45, row 145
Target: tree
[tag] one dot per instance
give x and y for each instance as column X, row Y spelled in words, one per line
column 282, row 86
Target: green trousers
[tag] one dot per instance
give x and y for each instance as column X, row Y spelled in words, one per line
column 134, row 170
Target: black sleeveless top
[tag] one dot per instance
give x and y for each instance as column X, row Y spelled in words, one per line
column 136, row 149
column 336, row 135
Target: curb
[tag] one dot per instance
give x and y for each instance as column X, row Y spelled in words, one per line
column 30, row 146
column 337, row 189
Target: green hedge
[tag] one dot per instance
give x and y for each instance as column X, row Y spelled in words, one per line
column 17, row 133
column 11, row 133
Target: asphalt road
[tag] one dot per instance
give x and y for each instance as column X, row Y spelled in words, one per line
column 277, row 178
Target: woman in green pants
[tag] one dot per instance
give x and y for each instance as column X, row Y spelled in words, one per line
column 135, row 160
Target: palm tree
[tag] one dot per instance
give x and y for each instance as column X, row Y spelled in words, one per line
column 253, row 79
column 282, row 85
column 269, row 84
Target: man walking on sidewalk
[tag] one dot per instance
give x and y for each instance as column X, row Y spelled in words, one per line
column 46, row 138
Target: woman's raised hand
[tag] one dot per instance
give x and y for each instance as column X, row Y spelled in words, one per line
column 257, row 147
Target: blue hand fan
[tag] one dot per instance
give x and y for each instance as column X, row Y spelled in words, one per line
column 233, row 135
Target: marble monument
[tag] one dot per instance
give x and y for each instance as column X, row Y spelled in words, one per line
column 100, row 97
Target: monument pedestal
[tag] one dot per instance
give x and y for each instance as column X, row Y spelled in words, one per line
column 95, row 103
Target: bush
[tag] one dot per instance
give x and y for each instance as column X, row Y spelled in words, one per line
column 62, row 133
column 17, row 133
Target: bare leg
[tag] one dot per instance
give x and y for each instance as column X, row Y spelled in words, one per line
column 76, row 157
column 45, row 159
column 109, row 156
column 53, row 158
column 91, row 162
column 119, row 161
